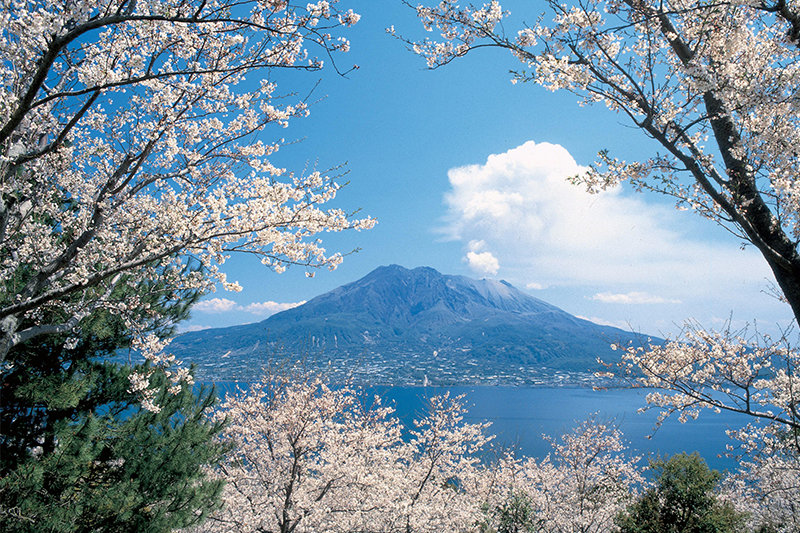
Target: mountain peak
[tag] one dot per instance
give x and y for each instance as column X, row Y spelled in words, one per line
column 404, row 325
column 398, row 295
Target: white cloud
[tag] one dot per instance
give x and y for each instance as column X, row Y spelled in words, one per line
column 484, row 262
column 481, row 262
column 270, row 308
column 603, row 322
column 223, row 305
column 193, row 327
column 476, row 245
column 632, row 298
column 216, row 305
column 518, row 210
column 521, row 206
column 535, row 286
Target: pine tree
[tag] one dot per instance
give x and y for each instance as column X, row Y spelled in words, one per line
column 77, row 450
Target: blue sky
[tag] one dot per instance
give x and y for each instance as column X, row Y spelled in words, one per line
column 465, row 173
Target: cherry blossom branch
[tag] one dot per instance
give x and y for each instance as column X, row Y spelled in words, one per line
column 131, row 140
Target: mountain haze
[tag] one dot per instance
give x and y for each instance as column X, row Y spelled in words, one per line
column 397, row 325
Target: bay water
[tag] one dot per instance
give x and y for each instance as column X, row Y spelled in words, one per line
column 520, row 416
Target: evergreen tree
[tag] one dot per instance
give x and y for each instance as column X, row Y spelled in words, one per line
column 515, row 515
column 683, row 500
column 78, row 452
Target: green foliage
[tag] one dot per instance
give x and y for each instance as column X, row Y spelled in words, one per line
column 139, row 471
column 48, row 382
column 515, row 515
column 77, row 451
column 683, row 500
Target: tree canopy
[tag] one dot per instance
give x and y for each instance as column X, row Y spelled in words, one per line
column 131, row 139
column 684, row 499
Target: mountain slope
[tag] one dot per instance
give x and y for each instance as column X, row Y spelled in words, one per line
column 405, row 326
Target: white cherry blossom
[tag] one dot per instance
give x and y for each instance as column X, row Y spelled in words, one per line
column 310, row 457
column 131, row 146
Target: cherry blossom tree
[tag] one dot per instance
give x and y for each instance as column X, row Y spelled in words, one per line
column 310, row 457
column 767, row 483
column 581, row 487
column 307, row 458
column 131, row 144
column 720, row 371
column 440, row 473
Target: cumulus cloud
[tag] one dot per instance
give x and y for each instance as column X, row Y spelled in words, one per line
column 481, row 262
column 632, row 298
column 223, row 305
column 519, row 210
column 520, row 205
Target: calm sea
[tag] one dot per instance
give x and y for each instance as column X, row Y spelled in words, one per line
column 521, row 416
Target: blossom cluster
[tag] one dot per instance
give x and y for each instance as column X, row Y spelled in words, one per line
column 717, row 370
column 460, row 27
column 767, row 483
column 132, row 139
column 756, row 377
